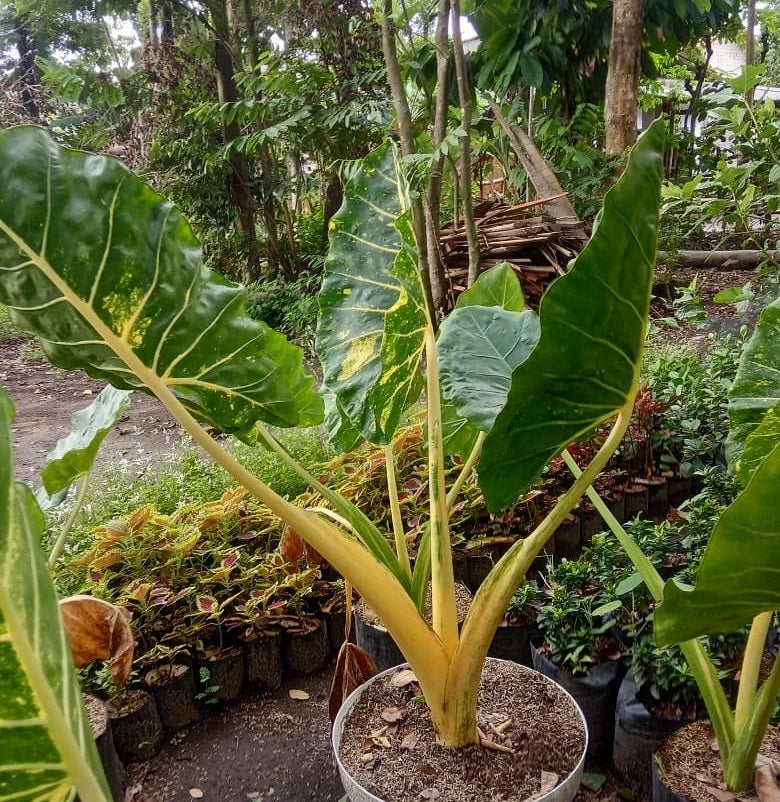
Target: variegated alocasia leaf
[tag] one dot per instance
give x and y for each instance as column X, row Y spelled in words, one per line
column 756, row 389
column 74, row 454
column 46, row 748
column 371, row 329
column 593, row 320
column 110, row 277
column 738, row 576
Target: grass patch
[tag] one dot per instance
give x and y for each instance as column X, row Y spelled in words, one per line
column 7, row 329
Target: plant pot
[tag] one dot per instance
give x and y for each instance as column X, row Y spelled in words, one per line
column 263, row 660
column 306, row 650
column 220, row 675
column 657, row 496
column 634, row 500
column 104, row 741
column 376, row 640
column 591, row 523
column 522, row 677
column 596, row 693
column 567, row 538
column 638, row 733
column 135, row 725
column 173, row 688
column 513, row 642
column 479, row 566
column 685, row 768
column 678, row 489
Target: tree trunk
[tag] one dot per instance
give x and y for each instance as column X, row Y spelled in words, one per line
column 240, row 192
column 436, row 176
column 464, row 96
column 620, row 102
column 406, row 135
column 29, row 77
column 166, row 25
column 750, row 42
column 719, row 260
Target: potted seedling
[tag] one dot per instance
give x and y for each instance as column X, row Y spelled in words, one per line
column 110, row 276
column 736, row 586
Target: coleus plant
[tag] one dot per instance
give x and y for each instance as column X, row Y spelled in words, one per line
column 110, row 276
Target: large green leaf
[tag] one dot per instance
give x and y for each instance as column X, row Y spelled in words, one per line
column 739, row 575
column 371, row 329
column 479, row 345
column 479, row 348
column 110, row 277
column 74, row 454
column 498, row 286
column 756, row 389
column 593, row 320
column 45, row 741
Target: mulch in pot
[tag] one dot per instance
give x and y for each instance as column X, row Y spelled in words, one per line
column 523, row 712
column 687, row 766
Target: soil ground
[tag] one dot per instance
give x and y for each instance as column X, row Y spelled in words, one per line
column 266, row 747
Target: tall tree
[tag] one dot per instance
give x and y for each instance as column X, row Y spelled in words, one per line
column 622, row 86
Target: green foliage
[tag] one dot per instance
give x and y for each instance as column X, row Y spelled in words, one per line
column 7, row 329
column 287, row 306
column 48, row 751
column 732, row 194
column 693, row 389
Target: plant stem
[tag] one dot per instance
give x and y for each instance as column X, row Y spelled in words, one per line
column 445, row 618
column 738, row 769
column 364, row 529
column 401, row 550
column 751, row 665
column 62, row 538
column 465, row 472
column 697, row 658
column 491, row 600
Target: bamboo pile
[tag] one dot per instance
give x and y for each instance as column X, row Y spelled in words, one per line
column 535, row 244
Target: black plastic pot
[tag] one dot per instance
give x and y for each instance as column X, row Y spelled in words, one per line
column 657, row 496
column 306, row 651
column 634, row 500
column 104, row 741
column 661, row 792
column 136, row 729
column 376, row 640
column 679, row 489
column 263, row 660
column 567, row 538
column 638, row 733
column 225, row 677
column 596, row 693
column 513, row 642
column 173, row 688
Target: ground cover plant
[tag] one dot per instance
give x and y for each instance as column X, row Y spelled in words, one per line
column 373, row 331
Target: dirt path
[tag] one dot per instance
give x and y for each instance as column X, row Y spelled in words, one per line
column 45, row 398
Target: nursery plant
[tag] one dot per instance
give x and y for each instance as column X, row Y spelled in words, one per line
column 109, row 275
column 737, row 578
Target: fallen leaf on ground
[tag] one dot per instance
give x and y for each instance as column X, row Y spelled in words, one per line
column 196, row 793
column 295, row 693
column 766, row 785
column 403, row 678
column 549, row 781
column 353, row 667
column 410, row 740
column 429, row 793
column 720, row 794
column 392, row 714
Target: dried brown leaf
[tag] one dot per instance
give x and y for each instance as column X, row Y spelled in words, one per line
column 410, row 740
column 296, row 693
column 392, row 714
column 98, row 629
column 720, row 794
column 549, row 780
column 429, row 793
column 353, row 667
column 766, row 784
column 403, row 678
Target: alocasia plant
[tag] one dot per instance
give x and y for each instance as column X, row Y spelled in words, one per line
column 738, row 578
column 109, row 276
